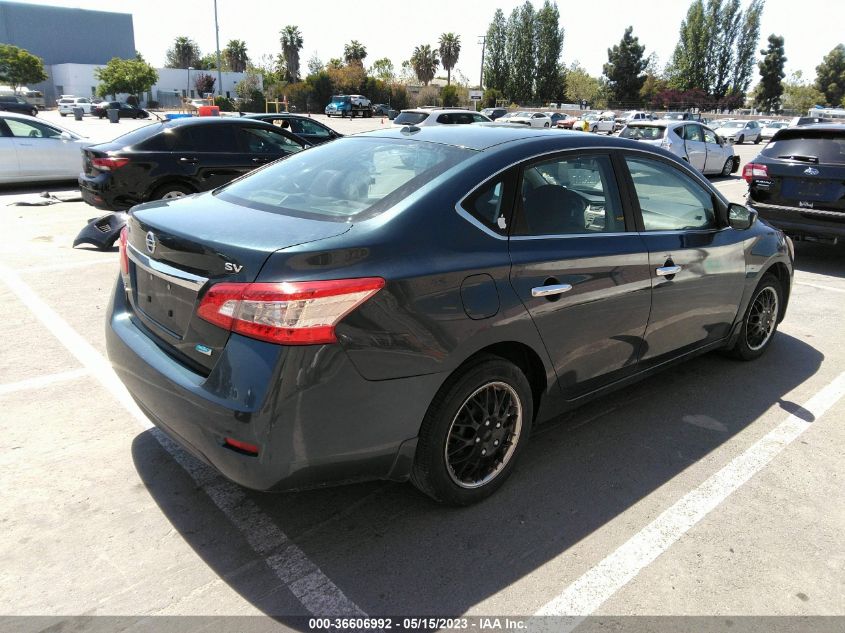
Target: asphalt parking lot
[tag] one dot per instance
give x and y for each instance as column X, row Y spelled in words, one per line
column 716, row 488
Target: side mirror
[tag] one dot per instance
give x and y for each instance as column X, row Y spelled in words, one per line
column 66, row 136
column 740, row 217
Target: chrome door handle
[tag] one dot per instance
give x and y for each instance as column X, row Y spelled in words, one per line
column 668, row 271
column 548, row 291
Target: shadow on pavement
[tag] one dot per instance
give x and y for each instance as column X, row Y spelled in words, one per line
column 393, row 551
column 820, row 258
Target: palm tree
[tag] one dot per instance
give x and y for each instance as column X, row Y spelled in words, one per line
column 291, row 41
column 450, row 48
column 183, row 53
column 235, row 55
column 354, row 52
column 424, row 62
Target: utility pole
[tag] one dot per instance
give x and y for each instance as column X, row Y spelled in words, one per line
column 217, row 38
column 483, row 42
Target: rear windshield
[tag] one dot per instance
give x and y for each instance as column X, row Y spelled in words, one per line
column 138, row 136
column 347, row 178
column 808, row 145
column 643, row 132
column 410, row 118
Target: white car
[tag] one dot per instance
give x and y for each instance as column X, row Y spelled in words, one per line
column 697, row 144
column 420, row 117
column 532, row 119
column 631, row 115
column 66, row 105
column 769, row 129
column 739, row 131
column 38, row 151
column 603, row 122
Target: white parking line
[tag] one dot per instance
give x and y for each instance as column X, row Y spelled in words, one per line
column 314, row 590
column 597, row 585
column 70, row 265
column 819, row 286
column 41, row 381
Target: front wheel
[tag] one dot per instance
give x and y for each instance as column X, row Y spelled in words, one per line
column 593, row 129
column 473, row 431
column 545, row 125
column 33, row 112
column 761, row 319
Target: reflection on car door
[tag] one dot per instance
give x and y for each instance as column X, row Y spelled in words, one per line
column 209, row 155
column 581, row 275
column 697, row 267
column 264, row 145
column 696, row 149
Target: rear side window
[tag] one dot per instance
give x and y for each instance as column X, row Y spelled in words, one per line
column 410, row 118
column 207, row 138
column 266, row 141
column 572, row 195
column 670, row 200
column 488, row 206
column 692, row 133
column 643, row 132
column 808, row 145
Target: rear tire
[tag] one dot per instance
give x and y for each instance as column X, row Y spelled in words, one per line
column 473, row 432
column 740, row 140
column 757, row 141
column 171, row 191
column 728, row 167
column 760, row 322
column 33, row 112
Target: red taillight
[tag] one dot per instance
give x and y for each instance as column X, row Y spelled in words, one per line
column 754, row 170
column 289, row 313
column 252, row 449
column 124, row 253
column 108, row 164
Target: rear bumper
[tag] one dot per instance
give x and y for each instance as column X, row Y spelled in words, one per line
column 315, row 419
column 97, row 192
column 800, row 222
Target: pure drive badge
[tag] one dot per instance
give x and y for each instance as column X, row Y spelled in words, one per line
column 202, row 349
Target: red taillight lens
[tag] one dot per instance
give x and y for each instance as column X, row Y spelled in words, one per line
column 124, row 253
column 252, row 449
column 754, row 170
column 108, row 164
column 289, row 313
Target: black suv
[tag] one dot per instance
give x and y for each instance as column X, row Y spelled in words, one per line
column 14, row 103
column 178, row 158
column 797, row 182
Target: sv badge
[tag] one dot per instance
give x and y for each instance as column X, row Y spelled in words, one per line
column 232, row 268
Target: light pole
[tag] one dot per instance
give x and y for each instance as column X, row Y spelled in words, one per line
column 217, row 38
column 188, row 87
column 483, row 42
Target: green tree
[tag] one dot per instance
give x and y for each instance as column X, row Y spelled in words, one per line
column 315, row 64
column 450, row 49
column 383, row 69
column 521, row 53
column 354, row 52
column 688, row 68
column 581, row 86
column 291, row 41
column 830, row 76
column 424, row 61
column 449, row 95
column 548, row 46
column 19, row 67
column 183, row 54
column 625, row 69
column 746, row 46
column 724, row 20
column 798, row 95
column 496, row 60
column 235, row 56
column 771, row 75
column 130, row 76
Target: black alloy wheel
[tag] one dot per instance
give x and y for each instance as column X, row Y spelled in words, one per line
column 761, row 319
column 473, row 432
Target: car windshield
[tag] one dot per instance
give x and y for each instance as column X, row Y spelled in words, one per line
column 410, row 118
column 810, row 145
column 643, row 132
column 733, row 124
column 675, row 116
column 777, row 125
column 348, row 178
column 340, row 100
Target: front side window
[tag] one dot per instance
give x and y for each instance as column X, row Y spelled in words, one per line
column 710, row 137
column 305, row 126
column 670, row 200
column 572, row 195
column 261, row 141
column 31, row 129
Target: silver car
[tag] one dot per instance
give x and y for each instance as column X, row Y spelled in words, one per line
column 739, row 131
column 697, row 144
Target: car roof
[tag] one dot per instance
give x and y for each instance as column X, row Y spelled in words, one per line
column 482, row 136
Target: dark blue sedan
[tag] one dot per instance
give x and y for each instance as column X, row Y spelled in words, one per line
column 407, row 304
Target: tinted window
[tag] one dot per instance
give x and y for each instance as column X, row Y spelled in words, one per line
column 487, row 206
column 692, row 133
column 643, row 132
column 263, row 141
column 208, row 138
column 410, row 118
column 136, row 137
column 670, row 200
column 571, row 195
column 346, row 178
column 308, row 127
column 827, row 147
